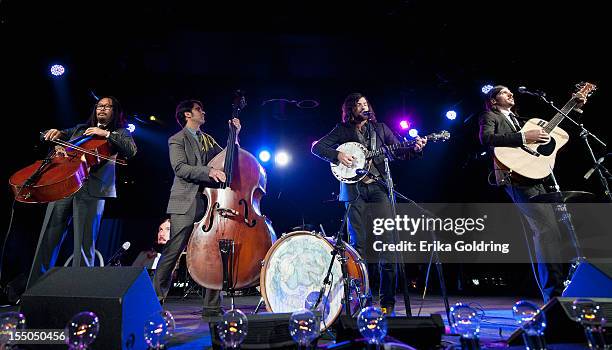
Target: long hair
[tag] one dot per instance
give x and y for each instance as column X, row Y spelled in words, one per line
column 117, row 117
column 182, row 108
column 348, row 109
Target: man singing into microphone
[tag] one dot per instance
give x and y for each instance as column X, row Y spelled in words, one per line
column 359, row 125
column 499, row 127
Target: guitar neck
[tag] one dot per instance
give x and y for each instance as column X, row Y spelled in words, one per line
column 558, row 118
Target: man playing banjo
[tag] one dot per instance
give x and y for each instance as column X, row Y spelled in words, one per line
column 359, row 125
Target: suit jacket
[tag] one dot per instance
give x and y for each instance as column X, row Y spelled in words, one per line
column 101, row 179
column 190, row 170
column 497, row 131
column 325, row 148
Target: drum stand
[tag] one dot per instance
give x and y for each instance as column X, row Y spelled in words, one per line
column 339, row 249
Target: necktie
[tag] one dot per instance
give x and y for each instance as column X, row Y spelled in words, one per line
column 200, row 140
column 514, row 121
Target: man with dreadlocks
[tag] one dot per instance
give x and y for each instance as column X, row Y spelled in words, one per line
column 190, row 151
column 85, row 207
column 359, row 125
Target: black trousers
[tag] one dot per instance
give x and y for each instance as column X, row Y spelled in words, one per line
column 85, row 212
column 360, row 218
column 546, row 238
column 181, row 227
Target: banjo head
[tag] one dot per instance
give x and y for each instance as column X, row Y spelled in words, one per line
column 348, row 174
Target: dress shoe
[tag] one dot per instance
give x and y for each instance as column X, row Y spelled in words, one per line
column 388, row 311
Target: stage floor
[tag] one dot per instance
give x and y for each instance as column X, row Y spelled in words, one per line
column 497, row 325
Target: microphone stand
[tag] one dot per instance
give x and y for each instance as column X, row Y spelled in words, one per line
column 392, row 192
column 584, row 134
column 439, row 268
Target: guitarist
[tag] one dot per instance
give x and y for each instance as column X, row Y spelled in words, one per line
column 359, row 125
column 499, row 127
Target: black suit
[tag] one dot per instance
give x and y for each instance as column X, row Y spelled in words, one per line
column 84, row 208
column 358, row 195
column 497, row 131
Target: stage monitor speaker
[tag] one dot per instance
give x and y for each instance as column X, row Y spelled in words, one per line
column 561, row 324
column 421, row 332
column 265, row 331
column 590, row 280
column 122, row 298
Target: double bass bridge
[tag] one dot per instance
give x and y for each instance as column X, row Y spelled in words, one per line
column 227, row 212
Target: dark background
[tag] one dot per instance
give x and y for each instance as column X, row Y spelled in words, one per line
column 411, row 58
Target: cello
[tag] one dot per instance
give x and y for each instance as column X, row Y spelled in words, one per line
column 53, row 177
column 227, row 246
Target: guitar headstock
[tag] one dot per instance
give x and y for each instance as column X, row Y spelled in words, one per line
column 438, row 136
column 585, row 89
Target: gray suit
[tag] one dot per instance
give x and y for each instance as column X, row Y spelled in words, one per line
column 84, row 208
column 186, row 206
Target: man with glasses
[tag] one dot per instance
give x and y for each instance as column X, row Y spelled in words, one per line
column 85, row 207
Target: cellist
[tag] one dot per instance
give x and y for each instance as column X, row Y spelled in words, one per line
column 190, row 150
column 86, row 206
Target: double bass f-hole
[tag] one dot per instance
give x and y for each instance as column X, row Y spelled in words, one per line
column 246, row 214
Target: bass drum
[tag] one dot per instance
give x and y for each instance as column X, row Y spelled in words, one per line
column 294, row 269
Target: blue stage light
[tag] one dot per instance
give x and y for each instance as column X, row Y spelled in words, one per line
column 264, row 156
column 485, row 89
column 57, row 70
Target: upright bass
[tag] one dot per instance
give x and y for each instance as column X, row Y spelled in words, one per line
column 227, row 246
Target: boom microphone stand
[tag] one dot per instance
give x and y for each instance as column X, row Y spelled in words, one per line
column 584, row 134
column 388, row 184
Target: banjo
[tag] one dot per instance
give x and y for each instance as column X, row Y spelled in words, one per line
column 362, row 156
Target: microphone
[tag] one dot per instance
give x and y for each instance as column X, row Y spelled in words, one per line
column 361, row 172
column 367, row 114
column 114, row 260
column 523, row 90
